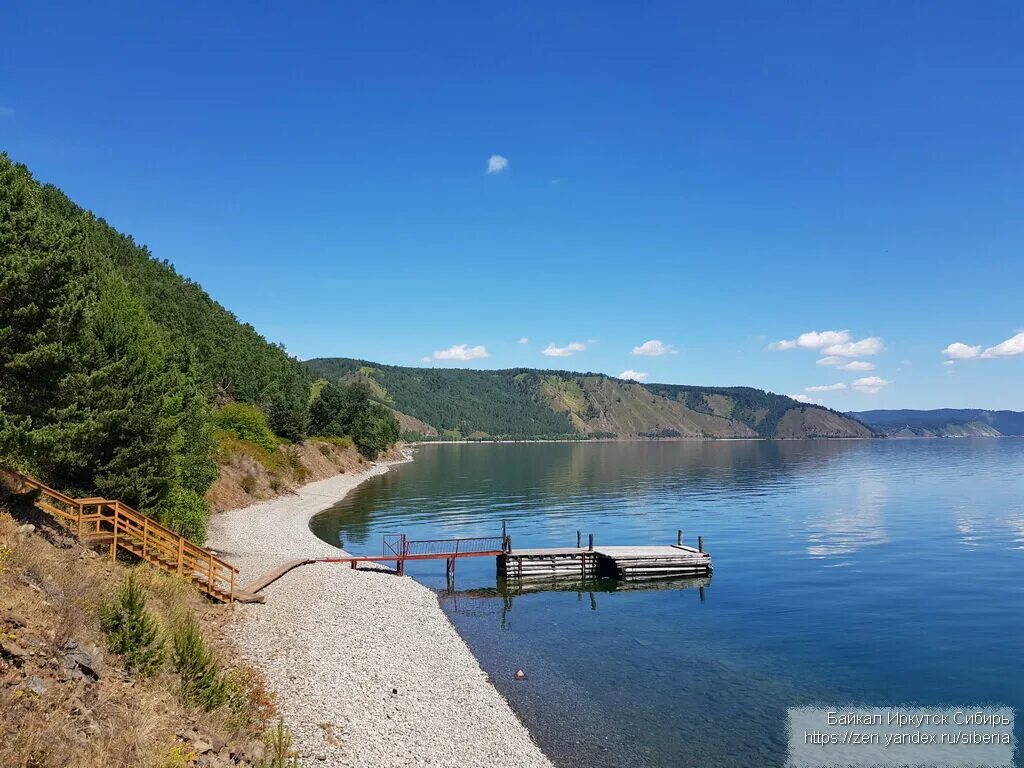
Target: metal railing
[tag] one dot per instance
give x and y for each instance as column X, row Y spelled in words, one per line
column 454, row 547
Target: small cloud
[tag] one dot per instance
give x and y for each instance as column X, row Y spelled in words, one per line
column 496, row 164
column 826, row 388
column 804, row 399
column 552, row 350
column 858, row 365
column 1012, row 347
column 426, row 359
column 654, row 348
column 949, row 362
column 869, row 346
column 634, row 375
column 812, row 340
column 871, row 384
column 960, row 351
column 524, row 340
column 846, row 365
column 461, row 352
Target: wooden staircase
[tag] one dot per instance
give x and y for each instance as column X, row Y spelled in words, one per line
column 115, row 525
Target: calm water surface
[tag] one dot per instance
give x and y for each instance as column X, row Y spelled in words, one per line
column 873, row 572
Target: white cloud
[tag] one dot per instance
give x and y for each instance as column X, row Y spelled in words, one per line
column 654, row 348
column 846, row 365
column 634, row 375
column 524, row 340
column 949, row 362
column 462, row 352
column 804, row 399
column 551, row 350
column 826, row 388
column 869, row 346
column 858, row 365
column 832, row 344
column 496, row 164
column 870, row 384
column 1010, row 348
column 813, row 340
column 960, row 351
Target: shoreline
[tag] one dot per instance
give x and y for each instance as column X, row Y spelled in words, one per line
column 368, row 670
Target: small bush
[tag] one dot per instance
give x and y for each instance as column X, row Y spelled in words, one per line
column 202, row 684
column 179, row 756
column 132, row 631
column 246, row 422
column 279, row 752
column 185, row 511
column 250, row 703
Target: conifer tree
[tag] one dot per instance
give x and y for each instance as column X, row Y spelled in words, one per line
column 132, row 631
column 47, row 289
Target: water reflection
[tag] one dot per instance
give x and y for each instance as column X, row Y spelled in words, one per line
column 460, row 490
column 844, row 529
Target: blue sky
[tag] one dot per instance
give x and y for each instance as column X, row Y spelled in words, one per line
column 716, row 177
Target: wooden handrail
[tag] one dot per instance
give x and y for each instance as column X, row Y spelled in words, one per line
column 132, row 531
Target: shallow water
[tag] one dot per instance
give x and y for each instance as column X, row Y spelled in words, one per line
column 875, row 572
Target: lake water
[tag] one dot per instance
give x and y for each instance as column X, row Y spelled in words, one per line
column 871, row 572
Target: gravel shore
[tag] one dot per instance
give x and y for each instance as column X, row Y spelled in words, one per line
column 368, row 671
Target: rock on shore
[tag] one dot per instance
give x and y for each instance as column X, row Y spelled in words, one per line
column 368, row 670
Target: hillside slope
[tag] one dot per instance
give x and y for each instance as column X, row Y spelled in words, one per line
column 234, row 361
column 944, row 422
column 525, row 403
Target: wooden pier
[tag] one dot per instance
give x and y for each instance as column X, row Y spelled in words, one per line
column 627, row 563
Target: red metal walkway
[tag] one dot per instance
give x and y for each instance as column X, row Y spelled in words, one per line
column 399, row 549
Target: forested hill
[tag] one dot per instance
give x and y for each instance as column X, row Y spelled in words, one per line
column 123, row 379
column 944, row 422
column 523, row 403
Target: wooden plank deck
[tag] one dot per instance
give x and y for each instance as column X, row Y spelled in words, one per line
column 628, row 563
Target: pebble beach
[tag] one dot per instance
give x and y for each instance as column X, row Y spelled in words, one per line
column 367, row 669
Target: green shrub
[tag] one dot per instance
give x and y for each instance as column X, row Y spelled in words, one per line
column 279, row 752
column 185, row 512
column 202, row 684
column 374, row 429
column 132, row 631
column 246, row 422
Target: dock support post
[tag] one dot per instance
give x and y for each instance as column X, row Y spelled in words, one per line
column 700, row 543
column 579, row 539
column 591, row 538
column 679, row 537
column 508, row 544
column 504, row 529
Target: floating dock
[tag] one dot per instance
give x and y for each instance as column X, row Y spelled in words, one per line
column 624, row 563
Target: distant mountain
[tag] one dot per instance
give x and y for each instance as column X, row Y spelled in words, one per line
column 522, row 403
column 944, row 422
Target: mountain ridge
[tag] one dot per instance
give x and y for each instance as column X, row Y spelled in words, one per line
column 525, row 403
column 944, row 422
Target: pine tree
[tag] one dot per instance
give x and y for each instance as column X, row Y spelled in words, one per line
column 132, row 631
column 202, row 684
column 47, row 289
column 125, row 407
